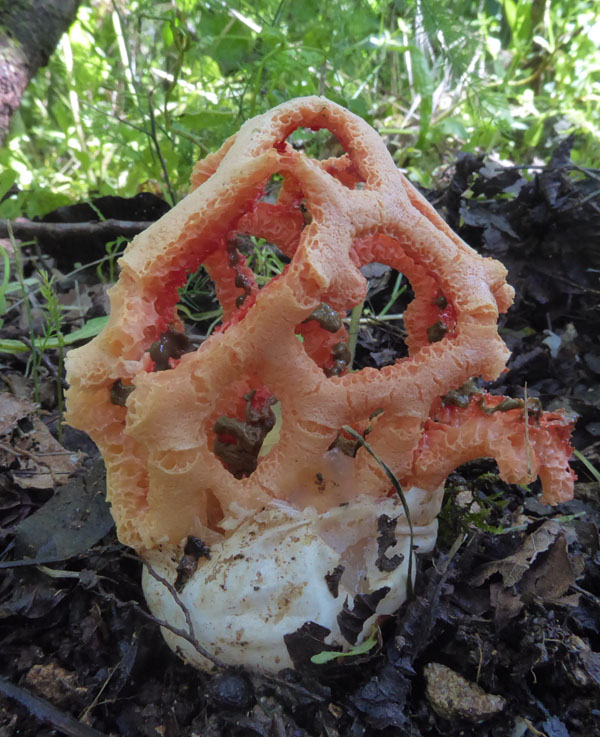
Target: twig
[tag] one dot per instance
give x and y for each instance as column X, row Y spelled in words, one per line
column 47, row 712
column 21, row 452
column 179, row 632
column 586, row 594
column 291, row 686
column 28, row 229
column 189, row 635
column 532, row 728
column 154, row 140
column 4, row 564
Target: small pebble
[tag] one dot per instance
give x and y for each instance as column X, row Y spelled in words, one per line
column 451, row 696
column 232, row 690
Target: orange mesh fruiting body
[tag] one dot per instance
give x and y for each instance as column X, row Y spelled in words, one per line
column 164, row 479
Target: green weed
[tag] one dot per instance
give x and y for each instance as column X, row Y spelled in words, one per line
column 264, row 262
column 138, row 91
column 34, row 358
column 52, row 327
column 4, row 283
column 593, row 471
column 114, row 249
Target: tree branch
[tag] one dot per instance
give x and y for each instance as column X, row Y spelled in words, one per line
column 28, row 229
column 47, row 712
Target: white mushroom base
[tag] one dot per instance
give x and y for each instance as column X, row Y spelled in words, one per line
column 270, row 576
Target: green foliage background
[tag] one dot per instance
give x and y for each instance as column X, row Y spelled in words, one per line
column 139, row 90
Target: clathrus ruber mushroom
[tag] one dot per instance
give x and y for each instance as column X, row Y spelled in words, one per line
column 245, row 450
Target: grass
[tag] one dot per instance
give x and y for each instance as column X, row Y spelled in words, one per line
column 34, row 360
column 398, row 488
column 53, row 322
column 594, row 472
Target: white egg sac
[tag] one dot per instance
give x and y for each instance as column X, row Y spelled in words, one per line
column 284, row 568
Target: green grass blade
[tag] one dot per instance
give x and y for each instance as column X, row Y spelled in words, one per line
column 396, row 484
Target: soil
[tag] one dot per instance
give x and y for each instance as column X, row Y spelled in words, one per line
column 502, row 635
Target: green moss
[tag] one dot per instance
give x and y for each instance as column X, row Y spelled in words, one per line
column 481, row 512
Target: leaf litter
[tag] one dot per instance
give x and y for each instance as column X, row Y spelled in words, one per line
column 502, row 634
column 28, row 451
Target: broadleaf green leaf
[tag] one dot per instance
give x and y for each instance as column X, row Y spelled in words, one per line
column 326, row 656
column 89, row 330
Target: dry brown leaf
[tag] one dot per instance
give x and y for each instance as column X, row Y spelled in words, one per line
column 551, row 578
column 41, row 461
column 527, row 577
column 515, row 566
column 506, row 604
column 12, row 409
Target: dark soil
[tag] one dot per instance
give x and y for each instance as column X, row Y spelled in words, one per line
column 502, row 636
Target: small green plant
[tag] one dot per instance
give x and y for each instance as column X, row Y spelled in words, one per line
column 362, row 314
column 114, row 249
column 458, row 518
column 34, row 358
column 4, row 283
column 29, row 288
column 52, row 324
column 594, row 472
column 196, row 302
column 368, row 644
column 139, row 90
column 52, row 328
column 88, row 331
column 264, row 262
column 398, row 289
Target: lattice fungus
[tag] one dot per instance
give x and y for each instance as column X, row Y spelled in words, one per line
column 288, row 525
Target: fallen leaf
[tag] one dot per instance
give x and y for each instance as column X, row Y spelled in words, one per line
column 540, row 571
column 506, row 604
column 32, row 600
column 73, row 520
column 553, row 576
column 27, row 448
column 553, row 727
column 381, row 700
column 12, row 409
column 515, row 566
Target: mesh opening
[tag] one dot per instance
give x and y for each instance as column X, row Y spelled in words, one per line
column 318, row 144
column 214, row 293
column 272, row 188
column 427, row 315
column 324, row 146
column 381, row 336
column 198, row 306
column 371, row 335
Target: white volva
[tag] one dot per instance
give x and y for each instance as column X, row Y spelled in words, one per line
column 270, row 576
